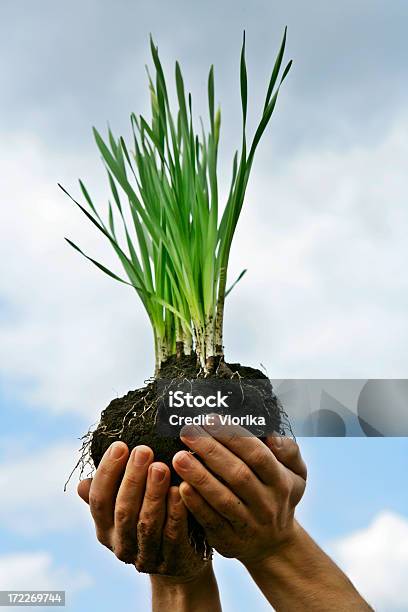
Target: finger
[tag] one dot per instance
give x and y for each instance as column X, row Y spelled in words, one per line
column 220, row 498
column 247, row 447
column 287, row 452
column 151, row 517
column 175, row 543
column 129, row 501
column 175, row 527
column 175, row 531
column 213, row 523
column 83, row 489
column 105, row 484
column 221, row 461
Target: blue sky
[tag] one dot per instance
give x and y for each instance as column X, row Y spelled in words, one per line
column 323, row 235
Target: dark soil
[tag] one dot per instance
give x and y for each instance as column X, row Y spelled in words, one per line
column 132, row 418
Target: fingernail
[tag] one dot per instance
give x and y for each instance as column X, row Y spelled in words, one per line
column 116, row 450
column 186, row 490
column 183, row 459
column 191, row 432
column 140, row 455
column 215, row 418
column 158, row 474
column 214, row 421
column 175, row 495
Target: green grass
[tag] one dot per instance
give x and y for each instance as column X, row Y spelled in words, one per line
column 175, row 238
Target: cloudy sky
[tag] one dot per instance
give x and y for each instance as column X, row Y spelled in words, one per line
column 323, row 235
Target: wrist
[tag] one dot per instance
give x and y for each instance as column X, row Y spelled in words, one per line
column 277, row 553
column 198, row 592
column 204, row 575
column 298, row 575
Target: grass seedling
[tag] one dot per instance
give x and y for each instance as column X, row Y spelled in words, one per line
column 175, row 239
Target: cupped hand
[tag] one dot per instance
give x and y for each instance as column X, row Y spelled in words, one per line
column 243, row 492
column 138, row 515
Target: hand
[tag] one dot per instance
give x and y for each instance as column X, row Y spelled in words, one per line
column 246, row 502
column 246, row 505
column 137, row 515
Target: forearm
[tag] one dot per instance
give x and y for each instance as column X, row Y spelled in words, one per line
column 199, row 594
column 300, row 576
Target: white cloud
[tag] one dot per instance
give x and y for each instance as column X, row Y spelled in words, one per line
column 376, row 560
column 70, row 339
column 33, row 500
column 324, row 238
column 37, row 571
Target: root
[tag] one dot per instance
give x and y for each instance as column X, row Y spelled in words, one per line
column 205, row 550
column 85, row 459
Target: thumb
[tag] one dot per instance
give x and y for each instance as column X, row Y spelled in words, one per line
column 83, row 489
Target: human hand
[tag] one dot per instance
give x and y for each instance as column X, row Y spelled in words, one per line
column 138, row 515
column 246, row 502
